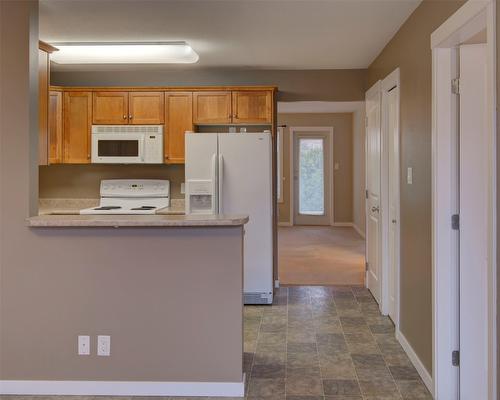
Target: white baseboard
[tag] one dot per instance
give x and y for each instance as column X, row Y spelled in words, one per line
column 419, row 366
column 360, row 232
column 119, row 388
column 286, row 223
column 343, row 224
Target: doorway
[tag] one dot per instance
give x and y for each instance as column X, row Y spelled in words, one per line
column 313, row 247
column 312, row 181
column 464, row 198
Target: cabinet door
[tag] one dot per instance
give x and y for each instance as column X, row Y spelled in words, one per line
column 179, row 115
column 212, row 107
column 77, row 127
column 110, row 108
column 146, row 108
column 252, row 107
column 43, row 100
column 55, row 128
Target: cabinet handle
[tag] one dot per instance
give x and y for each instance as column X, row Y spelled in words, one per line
column 124, row 117
column 130, row 116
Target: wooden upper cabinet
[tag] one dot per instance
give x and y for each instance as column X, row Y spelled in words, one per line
column 77, row 127
column 55, row 128
column 212, row 107
column 146, row 108
column 252, row 107
column 43, row 106
column 179, row 119
column 110, row 108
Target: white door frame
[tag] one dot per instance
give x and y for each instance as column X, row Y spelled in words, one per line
column 311, row 130
column 472, row 18
column 388, row 83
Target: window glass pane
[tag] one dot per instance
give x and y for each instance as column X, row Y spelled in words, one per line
column 118, row 148
column 311, row 177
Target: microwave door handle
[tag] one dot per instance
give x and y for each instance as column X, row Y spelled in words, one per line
column 143, row 148
column 215, row 205
column 221, row 180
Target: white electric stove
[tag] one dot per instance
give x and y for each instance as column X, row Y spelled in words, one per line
column 131, row 196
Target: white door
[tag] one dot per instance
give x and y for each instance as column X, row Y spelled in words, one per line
column 312, row 178
column 473, row 224
column 373, row 223
column 246, row 188
column 392, row 104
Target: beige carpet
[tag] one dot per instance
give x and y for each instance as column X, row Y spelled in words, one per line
column 314, row 255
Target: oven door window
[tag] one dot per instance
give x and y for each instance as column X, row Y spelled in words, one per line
column 118, row 148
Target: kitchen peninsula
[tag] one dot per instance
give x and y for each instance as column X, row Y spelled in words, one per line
column 167, row 289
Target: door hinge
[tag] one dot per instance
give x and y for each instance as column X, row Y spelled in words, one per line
column 366, row 122
column 366, row 266
column 455, row 86
column 366, row 193
column 455, row 222
column 455, row 358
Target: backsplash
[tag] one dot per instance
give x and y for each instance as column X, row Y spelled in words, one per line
column 82, row 181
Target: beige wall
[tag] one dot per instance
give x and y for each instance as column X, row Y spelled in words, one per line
column 294, row 85
column 410, row 50
column 358, row 171
column 498, row 199
column 342, row 124
column 58, row 283
column 82, row 181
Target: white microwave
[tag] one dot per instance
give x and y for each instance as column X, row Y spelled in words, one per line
column 127, row 144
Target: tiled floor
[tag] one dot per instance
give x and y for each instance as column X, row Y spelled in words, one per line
column 328, row 343
column 318, row 343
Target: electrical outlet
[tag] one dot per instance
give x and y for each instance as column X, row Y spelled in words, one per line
column 83, row 345
column 103, row 345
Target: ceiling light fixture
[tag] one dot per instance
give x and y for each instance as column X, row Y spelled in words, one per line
column 124, row 53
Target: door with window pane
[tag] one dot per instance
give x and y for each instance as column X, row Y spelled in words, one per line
column 312, row 178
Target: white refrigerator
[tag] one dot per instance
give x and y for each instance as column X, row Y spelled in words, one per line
column 230, row 173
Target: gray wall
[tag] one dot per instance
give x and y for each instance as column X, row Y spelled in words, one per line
column 294, row 85
column 58, row 283
column 410, row 50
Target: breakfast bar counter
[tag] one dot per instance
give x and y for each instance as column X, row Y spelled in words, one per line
column 116, row 221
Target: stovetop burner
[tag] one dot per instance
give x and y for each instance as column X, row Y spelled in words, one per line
column 144, row 208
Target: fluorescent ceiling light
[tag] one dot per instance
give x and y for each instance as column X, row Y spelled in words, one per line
column 124, row 53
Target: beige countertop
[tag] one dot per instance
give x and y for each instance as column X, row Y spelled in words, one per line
column 116, row 221
column 66, row 213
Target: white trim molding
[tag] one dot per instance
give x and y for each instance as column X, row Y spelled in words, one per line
column 122, row 388
column 472, row 18
column 417, row 363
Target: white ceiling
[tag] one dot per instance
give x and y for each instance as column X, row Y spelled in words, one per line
column 276, row 34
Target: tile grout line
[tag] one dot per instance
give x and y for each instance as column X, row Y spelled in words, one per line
column 383, row 357
column 286, row 339
column 343, row 334
column 254, row 354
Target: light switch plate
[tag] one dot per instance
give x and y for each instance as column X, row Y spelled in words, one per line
column 103, row 345
column 83, row 345
column 409, row 176
column 183, row 188
column 336, row 167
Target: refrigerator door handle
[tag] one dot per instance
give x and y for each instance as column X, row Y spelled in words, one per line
column 214, row 184
column 221, row 180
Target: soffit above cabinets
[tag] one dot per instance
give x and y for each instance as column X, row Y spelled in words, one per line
column 284, row 34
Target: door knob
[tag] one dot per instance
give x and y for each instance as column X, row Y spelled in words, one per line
column 375, row 209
